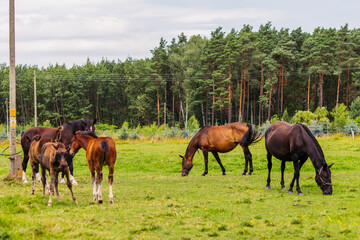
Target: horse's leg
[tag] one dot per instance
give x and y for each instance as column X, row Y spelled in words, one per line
column 269, row 170
column 99, row 178
column 38, row 177
column 43, row 179
column 216, row 155
column 282, row 175
column 94, row 184
column 52, row 185
column 302, row 161
column 56, row 186
column 296, row 175
column 33, row 177
column 69, row 185
column 206, row 155
column 248, row 160
column 71, row 168
column 111, row 179
column 24, row 165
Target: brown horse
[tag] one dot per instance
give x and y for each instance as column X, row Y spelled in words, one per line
column 35, row 151
column 68, row 131
column 54, row 158
column 100, row 151
column 221, row 139
column 295, row 144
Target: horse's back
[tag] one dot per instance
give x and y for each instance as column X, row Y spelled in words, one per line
column 283, row 139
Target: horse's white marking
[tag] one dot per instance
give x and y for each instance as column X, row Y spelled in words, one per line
column 24, row 177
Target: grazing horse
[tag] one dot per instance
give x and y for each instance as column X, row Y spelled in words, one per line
column 35, row 151
column 69, row 130
column 221, row 139
column 100, row 151
column 54, row 158
column 295, row 144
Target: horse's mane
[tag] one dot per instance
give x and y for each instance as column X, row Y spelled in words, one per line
column 206, row 126
column 77, row 125
column 312, row 137
column 88, row 133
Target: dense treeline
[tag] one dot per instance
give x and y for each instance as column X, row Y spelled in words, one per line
column 243, row 75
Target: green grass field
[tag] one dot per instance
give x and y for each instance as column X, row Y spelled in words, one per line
column 153, row 201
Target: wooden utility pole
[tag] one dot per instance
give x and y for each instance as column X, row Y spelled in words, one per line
column 35, row 100
column 15, row 160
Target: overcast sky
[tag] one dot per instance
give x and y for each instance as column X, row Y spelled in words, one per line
column 70, row 31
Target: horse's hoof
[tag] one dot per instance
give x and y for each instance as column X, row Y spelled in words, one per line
column 111, row 201
column 267, row 187
column 300, row 194
column 283, row 188
column 204, row 174
column 244, row 173
column 290, row 192
column 224, row 173
column 75, row 202
column 62, row 180
column 100, row 201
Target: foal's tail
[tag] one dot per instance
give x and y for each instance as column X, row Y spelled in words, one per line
column 104, row 145
column 251, row 136
column 58, row 134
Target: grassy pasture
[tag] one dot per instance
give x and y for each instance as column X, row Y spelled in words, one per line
column 153, row 201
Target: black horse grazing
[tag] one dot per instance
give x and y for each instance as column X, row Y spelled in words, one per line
column 221, row 139
column 296, row 143
column 67, row 133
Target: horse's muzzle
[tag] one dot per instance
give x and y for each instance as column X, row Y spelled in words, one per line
column 327, row 192
column 184, row 174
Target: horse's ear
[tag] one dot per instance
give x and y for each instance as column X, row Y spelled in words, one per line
column 94, row 121
column 182, row 156
column 68, row 147
column 330, row 166
column 56, row 147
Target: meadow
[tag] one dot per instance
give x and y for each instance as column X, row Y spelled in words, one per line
column 153, row 201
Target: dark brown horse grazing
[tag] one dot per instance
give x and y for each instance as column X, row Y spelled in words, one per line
column 295, row 144
column 100, row 151
column 221, row 139
column 69, row 130
column 35, row 152
column 54, row 158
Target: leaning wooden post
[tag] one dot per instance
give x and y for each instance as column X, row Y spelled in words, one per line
column 15, row 160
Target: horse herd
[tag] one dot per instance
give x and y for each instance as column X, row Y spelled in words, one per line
column 54, row 148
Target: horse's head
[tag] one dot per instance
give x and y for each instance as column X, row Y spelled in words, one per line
column 323, row 179
column 186, row 166
column 75, row 145
column 88, row 125
column 61, row 156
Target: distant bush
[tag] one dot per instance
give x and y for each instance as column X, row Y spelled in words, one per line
column 315, row 128
column 47, row 124
column 134, row 135
column 351, row 127
column 303, row 117
column 193, row 124
column 124, row 134
column 340, row 114
column 105, row 126
column 355, row 108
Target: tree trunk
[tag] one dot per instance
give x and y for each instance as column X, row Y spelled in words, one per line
column 230, row 96
column 338, row 86
column 321, row 84
column 173, row 97
column 213, row 97
column 240, row 98
column 348, row 87
column 165, row 101
column 282, row 88
column 308, row 96
column 247, row 102
column 261, row 93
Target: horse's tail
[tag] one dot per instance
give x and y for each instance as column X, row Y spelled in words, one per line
column 104, row 145
column 251, row 136
column 58, row 134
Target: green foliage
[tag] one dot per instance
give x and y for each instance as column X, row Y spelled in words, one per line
column 47, row 124
column 303, row 117
column 124, row 134
column 315, row 128
column 285, row 117
column 355, row 108
column 274, row 118
column 351, row 127
column 105, row 126
column 340, row 115
column 193, row 124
